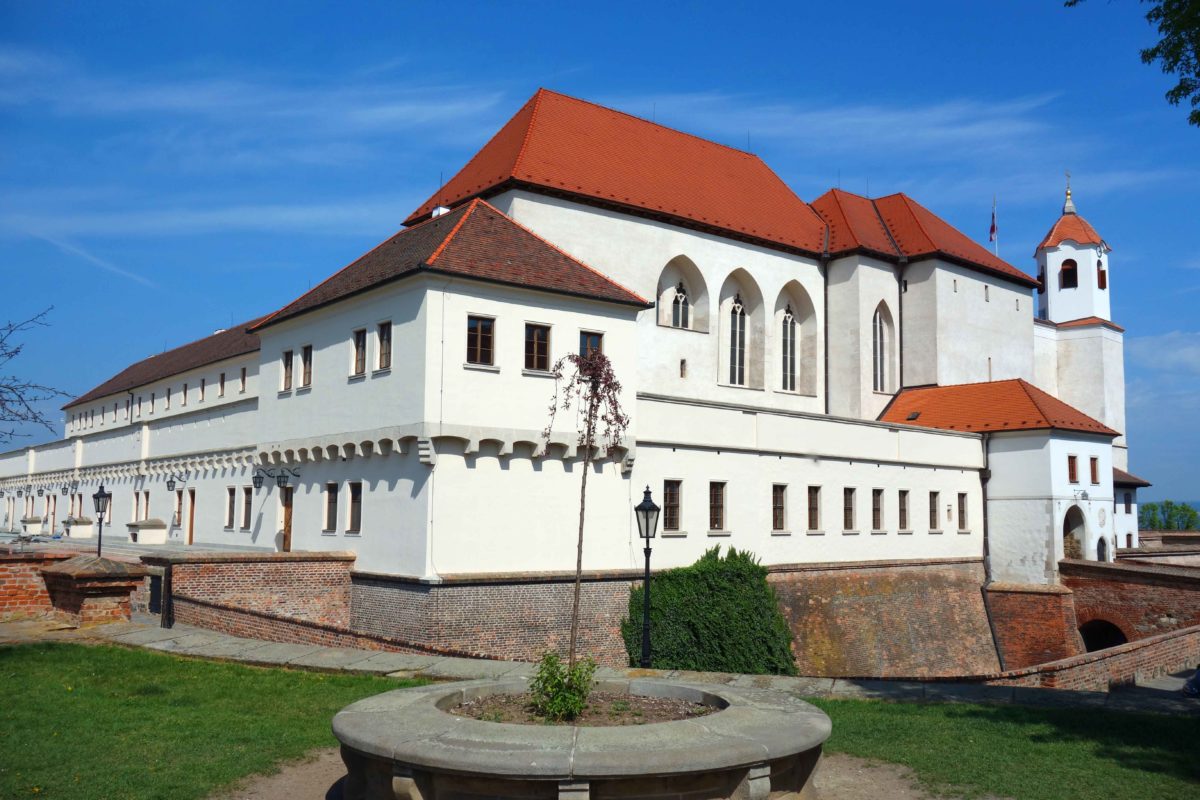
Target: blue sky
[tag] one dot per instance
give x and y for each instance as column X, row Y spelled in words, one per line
column 169, row 168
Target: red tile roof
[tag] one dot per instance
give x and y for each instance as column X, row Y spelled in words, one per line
column 475, row 241
column 1012, row 405
column 1123, row 478
column 1085, row 321
column 854, row 224
column 1071, row 226
column 229, row 343
column 578, row 149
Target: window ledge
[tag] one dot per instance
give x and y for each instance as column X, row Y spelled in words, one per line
column 304, row 390
column 481, row 367
column 736, row 386
column 684, row 330
column 354, row 534
column 814, row 533
column 674, row 534
column 904, row 533
column 935, row 533
column 965, row 532
column 537, row 373
column 781, row 533
column 329, row 533
column 362, row 376
column 790, row 393
column 879, row 533
column 882, row 394
column 285, row 392
column 850, row 533
column 379, row 373
column 720, row 533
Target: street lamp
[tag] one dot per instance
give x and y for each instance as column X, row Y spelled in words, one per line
column 102, row 499
column 65, row 489
column 257, row 480
column 281, row 480
column 647, row 520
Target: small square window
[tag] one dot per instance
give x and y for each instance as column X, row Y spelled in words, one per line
column 590, row 342
column 480, row 340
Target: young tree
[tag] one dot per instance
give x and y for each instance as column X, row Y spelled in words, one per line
column 19, row 398
column 593, row 389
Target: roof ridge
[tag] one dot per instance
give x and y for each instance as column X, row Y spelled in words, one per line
column 883, row 224
column 909, row 203
column 651, row 122
column 1025, row 386
column 471, row 206
column 558, row 249
column 537, row 105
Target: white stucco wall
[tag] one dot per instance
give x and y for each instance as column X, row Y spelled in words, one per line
column 858, row 285
column 1091, row 377
column 1060, row 304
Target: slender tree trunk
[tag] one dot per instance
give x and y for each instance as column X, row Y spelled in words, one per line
column 587, row 463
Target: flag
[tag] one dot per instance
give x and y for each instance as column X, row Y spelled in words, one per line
column 992, row 232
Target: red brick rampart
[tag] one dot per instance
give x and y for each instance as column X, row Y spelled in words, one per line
column 1143, row 600
column 23, row 592
column 1034, row 624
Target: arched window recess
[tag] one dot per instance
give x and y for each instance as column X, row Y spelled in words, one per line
column 788, row 341
column 737, row 342
column 680, row 310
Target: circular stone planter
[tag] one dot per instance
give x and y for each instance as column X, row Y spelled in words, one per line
column 405, row 745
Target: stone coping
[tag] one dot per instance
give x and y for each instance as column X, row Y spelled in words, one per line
column 1177, row 573
column 247, row 558
column 1028, row 588
column 408, row 726
column 150, row 524
column 84, row 566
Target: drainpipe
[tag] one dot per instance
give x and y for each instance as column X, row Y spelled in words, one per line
column 984, row 476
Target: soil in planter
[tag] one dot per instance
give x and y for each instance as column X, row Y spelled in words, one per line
column 603, row 709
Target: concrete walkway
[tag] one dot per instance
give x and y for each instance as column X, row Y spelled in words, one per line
column 1160, row 696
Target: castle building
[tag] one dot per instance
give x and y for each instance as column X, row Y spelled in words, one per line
column 846, row 381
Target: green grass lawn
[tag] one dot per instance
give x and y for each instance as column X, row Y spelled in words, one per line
column 1025, row 753
column 110, row 723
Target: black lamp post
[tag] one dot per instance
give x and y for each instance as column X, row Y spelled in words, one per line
column 647, row 520
column 102, row 499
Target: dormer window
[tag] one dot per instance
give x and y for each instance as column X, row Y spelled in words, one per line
column 1068, row 275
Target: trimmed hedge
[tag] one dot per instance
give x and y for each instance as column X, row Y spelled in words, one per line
column 718, row 615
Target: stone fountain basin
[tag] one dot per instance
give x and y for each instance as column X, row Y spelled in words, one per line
column 404, row 744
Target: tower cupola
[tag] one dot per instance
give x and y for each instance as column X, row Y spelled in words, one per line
column 1073, row 268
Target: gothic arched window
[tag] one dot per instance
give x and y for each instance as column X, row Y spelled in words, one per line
column 788, row 339
column 679, row 308
column 879, row 351
column 737, row 342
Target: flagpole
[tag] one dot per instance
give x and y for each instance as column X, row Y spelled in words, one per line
column 996, row 227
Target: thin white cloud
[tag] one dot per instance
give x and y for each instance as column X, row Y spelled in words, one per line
column 1177, row 352
column 91, row 258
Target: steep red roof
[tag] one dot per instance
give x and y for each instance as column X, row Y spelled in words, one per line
column 1071, row 226
column 920, row 233
column 229, row 343
column 475, row 241
column 1012, row 405
column 595, row 154
column 1123, row 478
column 854, row 223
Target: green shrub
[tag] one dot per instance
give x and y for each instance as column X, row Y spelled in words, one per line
column 560, row 692
column 718, row 615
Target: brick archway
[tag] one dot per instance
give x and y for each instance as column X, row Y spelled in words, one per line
column 1074, row 532
column 1100, row 634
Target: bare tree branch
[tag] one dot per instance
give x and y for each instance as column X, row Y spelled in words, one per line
column 19, row 398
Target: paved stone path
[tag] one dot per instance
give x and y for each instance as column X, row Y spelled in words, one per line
column 1159, row 696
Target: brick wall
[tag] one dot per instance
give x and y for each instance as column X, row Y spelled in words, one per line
column 22, row 591
column 1141, row 599
column 509, row 617
column 887, row 619
column 1034, row 623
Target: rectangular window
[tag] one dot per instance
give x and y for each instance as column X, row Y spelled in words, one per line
column 139, row 410
column 384, row 335
column 1129, row 502
column 355, row 523
column 1073, row 469
column 671, row 498
column 1102, row 278
column 877, row 509
column 778, row 507
column 360, row 351
column 182, row 396
column 934, row 521
column 814, row 508
column 537, row 347
column 247, row 506
column 479, row 340
column 242, row 381
column 306, row 365
column 902, row 507
column 168, row 400
column 1094, row 463
column 178, row 507
column 146, row 505
column 221, row 385
column 203, row 383
column 716, row 506
column 331, row 498
column 287, row 371
column 230, row 502
column 848, row 509
column 962, row 511
column 590, row 342
column 153, row 397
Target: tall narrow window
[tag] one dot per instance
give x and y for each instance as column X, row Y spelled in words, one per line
column 737, row 342
column 242, row 381
column 247, row 506
column 935, row 523
column 167, row 400
column 306, row 354
column 1101, row 275
column 139, row 411
column 1129, row 502
column 178, row 506
column 1094, row 463
column 360, row 351
column 778, row 507
column 146, row 505
column 848, row 509
column 879, row 351
column 671, row 498
column 814, row 508
column 221, row 385
column 716, row 506
column 479, row 340
column 877, row 509
column 1073, row 469
column 385, row 345
column 152, row 399
column 962, row 511
column 680, row 313
column 230, row 502
column 788, row 339
column 354, row 525
column 590, row 342
column 287, row 370
column 1068, row 274
column 331, row 503
column 902, row 507
column 182, row 397
column 203, row 383
column 537, row 347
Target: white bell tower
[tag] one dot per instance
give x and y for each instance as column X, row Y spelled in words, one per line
column 1073, row 267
